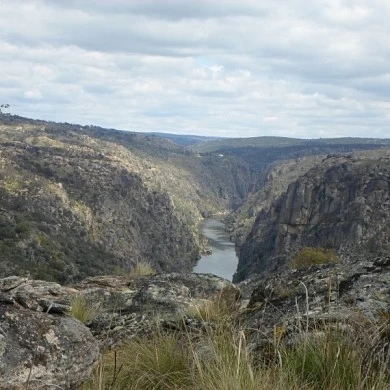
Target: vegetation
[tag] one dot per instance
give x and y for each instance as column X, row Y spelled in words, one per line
column 97, row 200
column 219, row 359
column 218, row 308
column 313, row 256
column 280, row 142
column 83, row 310
column 4, row 107
column 142, row 268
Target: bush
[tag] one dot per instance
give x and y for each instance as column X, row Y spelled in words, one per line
column 312, row 256
column 23, row 227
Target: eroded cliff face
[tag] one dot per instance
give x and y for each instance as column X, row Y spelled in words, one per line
column 343, row 204
column 272, row 183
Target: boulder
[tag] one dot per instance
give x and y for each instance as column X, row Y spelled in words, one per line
column 42, row 350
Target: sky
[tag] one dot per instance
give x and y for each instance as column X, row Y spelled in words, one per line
column 233, row 68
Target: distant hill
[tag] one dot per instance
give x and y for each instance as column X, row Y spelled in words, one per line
column 224, row 144
column 185, row 140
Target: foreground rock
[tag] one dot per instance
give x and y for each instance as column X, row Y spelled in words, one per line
column 135, row 307
column 352, row 296
column 39, row 349
column 41, row 346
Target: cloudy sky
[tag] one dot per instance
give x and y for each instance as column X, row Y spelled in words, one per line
column 238, row 68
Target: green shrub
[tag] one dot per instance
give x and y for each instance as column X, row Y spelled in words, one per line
column 312, row 256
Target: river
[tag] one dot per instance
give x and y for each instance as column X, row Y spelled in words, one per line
column 223, row 260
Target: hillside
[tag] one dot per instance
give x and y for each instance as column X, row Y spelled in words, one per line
column 78, row 201
column 259, row 152
column 184, row 140
column 272, row 183
column 84, row 205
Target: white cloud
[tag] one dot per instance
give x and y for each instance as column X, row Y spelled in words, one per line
column 233, row 68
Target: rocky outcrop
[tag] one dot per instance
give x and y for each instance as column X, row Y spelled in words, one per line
column 341, row 204
column 135, row 307
column 352, row 297
column 39, row 348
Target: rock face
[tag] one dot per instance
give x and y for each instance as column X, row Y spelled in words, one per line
column 342, row 204
column 272, row 183
column 39, row 349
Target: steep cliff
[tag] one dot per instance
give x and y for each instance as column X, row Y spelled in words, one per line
column 341, row 204
column 273, row 181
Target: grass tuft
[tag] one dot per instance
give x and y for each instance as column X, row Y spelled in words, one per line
column 142, row 269
column 313, row 256
column 82, row 310
column 220, row 359
column 222, row 306
column 160, row 362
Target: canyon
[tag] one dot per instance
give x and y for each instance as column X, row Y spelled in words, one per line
column 81, row 207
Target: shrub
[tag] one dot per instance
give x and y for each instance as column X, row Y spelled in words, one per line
column 312, row 256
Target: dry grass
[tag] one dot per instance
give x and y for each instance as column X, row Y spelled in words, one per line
column 313, row 256
column 328, row 357
column 142, row 269
column 219, row 359
column 82, row 310
column 222, row 306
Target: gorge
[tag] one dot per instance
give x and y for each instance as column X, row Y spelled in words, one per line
column 82, row 207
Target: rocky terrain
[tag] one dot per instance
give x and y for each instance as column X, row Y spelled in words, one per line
column 78, row 201
column 272, row 183
column 83, row 205
column 341, row 204
column 42, row 346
